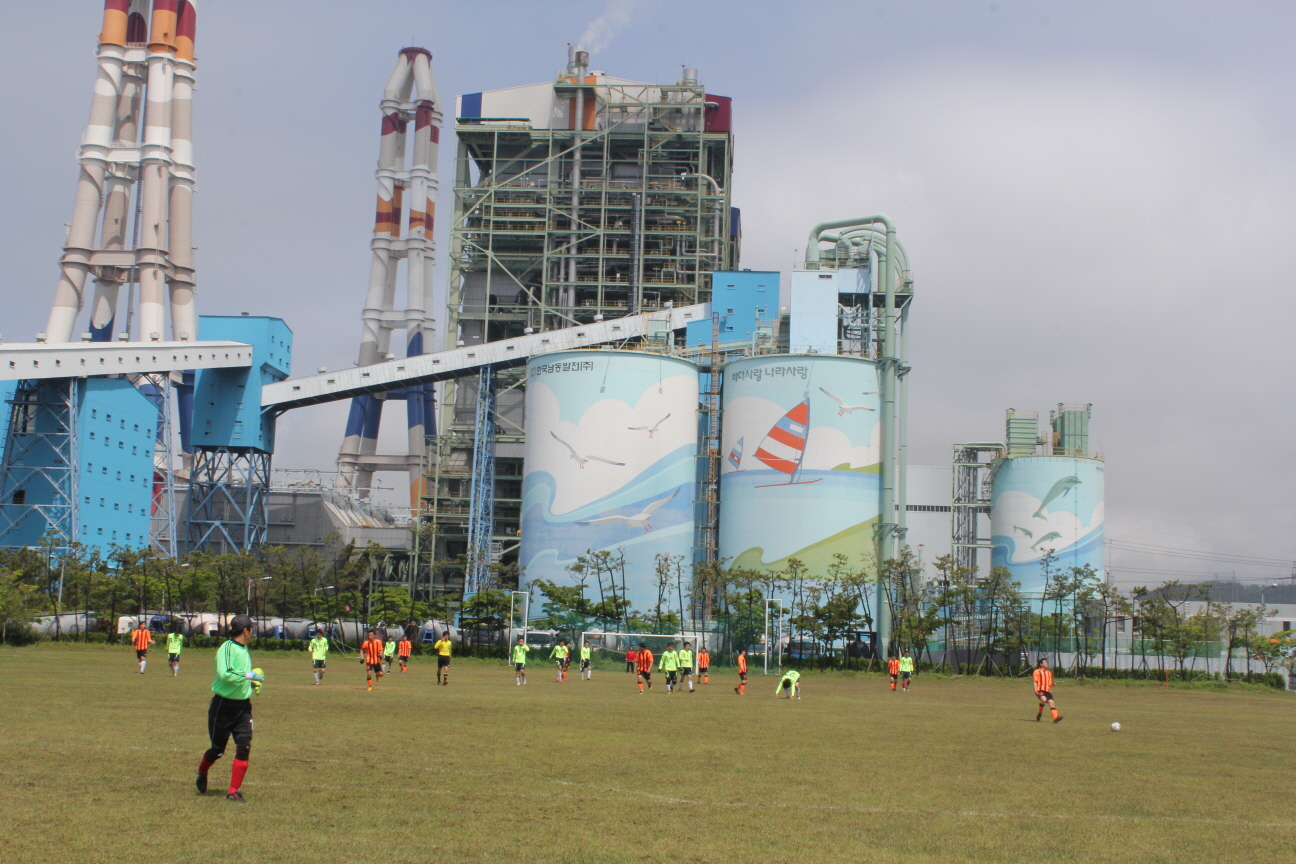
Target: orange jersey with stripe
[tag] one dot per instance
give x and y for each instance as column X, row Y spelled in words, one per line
column 1043, row 680
column 645, row 661
column 893, row 666
column 404, row 647
column 372, row 650
column 142, row 639
column 704, row 659
column 742, row 663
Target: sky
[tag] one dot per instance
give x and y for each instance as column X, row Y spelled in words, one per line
column 1094, row 197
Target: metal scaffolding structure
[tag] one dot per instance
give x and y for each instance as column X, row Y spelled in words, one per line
column 612, row 198
column 481, row 508
column 38, row 475
column 971, row 499
column 229, row 496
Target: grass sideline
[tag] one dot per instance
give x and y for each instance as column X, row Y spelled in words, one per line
column 98, row 761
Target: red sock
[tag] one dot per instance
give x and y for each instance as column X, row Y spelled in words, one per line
column 236, row 775
column 205, row 765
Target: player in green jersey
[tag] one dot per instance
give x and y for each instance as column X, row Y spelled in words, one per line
column 519, row 660
column 791, row 681
column 906, row 670
column 560, row 653
column 686, row 666
column 669, row 663
column 175, row 642
column 587, row 671
column 318, row 648
column 230, row 712
column 389, row 653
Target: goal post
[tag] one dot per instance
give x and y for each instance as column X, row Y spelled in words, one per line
column 616, row 644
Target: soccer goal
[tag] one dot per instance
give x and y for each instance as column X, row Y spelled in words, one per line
column 615, row 645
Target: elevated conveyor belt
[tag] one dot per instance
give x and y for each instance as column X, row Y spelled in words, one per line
column 28, row 360
column 461, row 362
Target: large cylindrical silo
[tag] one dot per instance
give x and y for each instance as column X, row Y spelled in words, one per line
column 1046, row 503
column 611, row 464
column 800, row 461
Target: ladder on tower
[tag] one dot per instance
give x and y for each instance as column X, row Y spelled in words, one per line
column 481, row 505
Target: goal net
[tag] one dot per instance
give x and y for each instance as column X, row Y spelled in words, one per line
column 613, row 646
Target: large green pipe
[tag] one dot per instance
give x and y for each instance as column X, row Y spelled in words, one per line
column 887, row 523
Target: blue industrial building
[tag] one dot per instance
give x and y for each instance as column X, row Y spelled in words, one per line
column 743, row 299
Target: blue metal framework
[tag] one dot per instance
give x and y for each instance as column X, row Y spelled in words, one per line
column 38, row 476
column 229, row 497
column 481, row 506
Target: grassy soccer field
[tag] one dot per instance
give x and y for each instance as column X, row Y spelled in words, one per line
column 97, row 764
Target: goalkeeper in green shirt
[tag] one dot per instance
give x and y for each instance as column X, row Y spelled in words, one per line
column 175, row 642
column 318, row 648
column 230, row 712
column 669, row 663
column 519, row 660
column 791, row 681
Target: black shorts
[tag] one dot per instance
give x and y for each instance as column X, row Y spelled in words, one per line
column 318, row 664
column 685, row 670
column 585, row 664
column 702, row 670
column 518, row 667
column 374, row 667
column 141, row 653
column 671, row 675
column 742, row 676
column 647, row 675
column 906, row 675
column 404, row 659
column 1046, row 695
column 173, row 658
column 226, row 717
column 442, row 661
column 388, row 658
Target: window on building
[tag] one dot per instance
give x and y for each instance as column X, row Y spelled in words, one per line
column 20, row 496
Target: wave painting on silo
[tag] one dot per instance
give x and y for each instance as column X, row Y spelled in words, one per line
column 800, row 461
column 611, row 463
column 1042, row 503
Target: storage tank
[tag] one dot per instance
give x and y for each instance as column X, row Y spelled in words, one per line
column 1040, row 503
column 800, row 461
column 611, row 464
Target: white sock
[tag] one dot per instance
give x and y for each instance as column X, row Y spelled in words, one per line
column 143, row 663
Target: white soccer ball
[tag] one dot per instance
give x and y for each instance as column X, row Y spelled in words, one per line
column 1115, row 727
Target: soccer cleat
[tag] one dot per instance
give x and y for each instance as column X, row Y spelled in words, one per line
column 736, row 691
column 1039, row 717
column 1057, row 719
column 201, row 783
column 236, row 797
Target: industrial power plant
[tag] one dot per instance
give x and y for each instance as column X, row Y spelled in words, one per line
column 603, row 378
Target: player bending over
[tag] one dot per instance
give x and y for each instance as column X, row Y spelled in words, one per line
column 371, row 658
column 686, row 666
column 403, row 649
column 587, row 671
column 669, row 664
column 141, row 638
column 389, row 654
column 704, row 663
column 791, row 681
column 893, row 669
column 442, row 648
column 230, row 712
column 559, row 655
column 741, row 689
column 318, row 648
column 519, row 660
column 1042, row 677
column 175, row 643
column 643, row 666
column 906, row 670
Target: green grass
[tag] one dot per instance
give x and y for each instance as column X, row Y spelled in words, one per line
column 97, row 763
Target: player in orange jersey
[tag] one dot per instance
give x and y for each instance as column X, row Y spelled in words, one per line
column 1043, row 680
column 704, row 663
column 893, row 669
column 141, row 638
column 741, row 689
column 403, row 649
column 371, row 657
column 644, row 666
